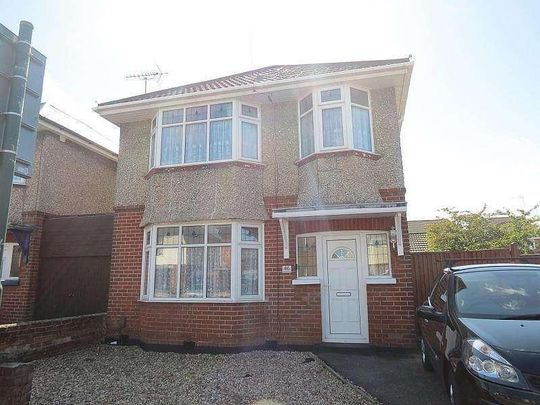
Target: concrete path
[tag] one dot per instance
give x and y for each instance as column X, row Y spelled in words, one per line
column 393, row 378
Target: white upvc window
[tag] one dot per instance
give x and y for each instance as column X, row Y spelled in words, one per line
column 216, row 262
column 378, row 255
column 340, row 119
column 11, row 261
column 196, row 134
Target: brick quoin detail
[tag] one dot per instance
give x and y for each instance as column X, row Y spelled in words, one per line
column 392, row 194
column 291, row 314
column 18, row 300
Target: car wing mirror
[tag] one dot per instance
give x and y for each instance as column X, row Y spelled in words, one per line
column 428, row 312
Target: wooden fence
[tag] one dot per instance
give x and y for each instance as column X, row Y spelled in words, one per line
column 74, row 266
column 427, row 266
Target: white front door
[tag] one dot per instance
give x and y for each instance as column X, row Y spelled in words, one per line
column 345, row 293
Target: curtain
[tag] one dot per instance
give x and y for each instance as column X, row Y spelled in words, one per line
column 306, row 130
column 250, row 140
column 192, row 272
column 218, row 275
column 171, row 145
column 166, row 272
column 361, row 128
column 332, row 127
column 221, row 140
column 195, row 142
column 249, row 262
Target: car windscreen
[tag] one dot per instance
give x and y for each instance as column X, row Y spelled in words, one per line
column 498, row 294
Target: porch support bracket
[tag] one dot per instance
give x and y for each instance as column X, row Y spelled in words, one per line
column 284, row 225
column 399, row 234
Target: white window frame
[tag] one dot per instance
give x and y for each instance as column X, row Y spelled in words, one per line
column 361, row 238
column 236, row 135
column 236, row 244
column 7, row 260
column 346, row 117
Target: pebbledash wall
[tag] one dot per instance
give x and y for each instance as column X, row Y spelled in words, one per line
column 67, row 180
column 290, row 314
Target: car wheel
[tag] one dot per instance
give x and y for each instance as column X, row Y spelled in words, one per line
column 426, row 361
column 453, row 390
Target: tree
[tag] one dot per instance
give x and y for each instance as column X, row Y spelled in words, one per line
column 467, row 230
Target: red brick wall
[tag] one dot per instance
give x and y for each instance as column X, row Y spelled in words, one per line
column 291, row 314
column 18, row 300
column 16, row 383
column 294, row 311
column 35, row 339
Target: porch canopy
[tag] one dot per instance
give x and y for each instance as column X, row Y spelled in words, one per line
column 367, row 210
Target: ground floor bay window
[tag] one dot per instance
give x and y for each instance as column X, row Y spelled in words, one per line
column 203, row 262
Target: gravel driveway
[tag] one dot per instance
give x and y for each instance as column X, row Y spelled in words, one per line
column 128, row 375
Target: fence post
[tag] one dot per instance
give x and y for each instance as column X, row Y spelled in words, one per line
column 514, row 252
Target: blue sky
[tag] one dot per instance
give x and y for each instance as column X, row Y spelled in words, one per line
column 472, row 127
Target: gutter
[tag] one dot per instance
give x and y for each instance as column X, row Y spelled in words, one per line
column 65, row 133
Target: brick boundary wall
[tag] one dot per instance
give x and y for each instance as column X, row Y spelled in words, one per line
column 31, row 340
column 18, row 300
column 16, row 383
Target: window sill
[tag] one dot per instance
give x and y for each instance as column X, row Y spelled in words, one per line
column 337, row 153
column 10, row 282
column 306, row 281
column 204, row 301
column 204, row 166
column 381, row 280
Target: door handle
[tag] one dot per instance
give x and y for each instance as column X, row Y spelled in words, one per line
column 343, row 294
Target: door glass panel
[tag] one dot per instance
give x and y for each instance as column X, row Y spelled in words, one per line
column 342, row 253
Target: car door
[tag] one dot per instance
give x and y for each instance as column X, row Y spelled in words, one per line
column 433, row 320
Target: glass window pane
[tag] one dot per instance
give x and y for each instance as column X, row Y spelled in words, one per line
column 167, row 236
column 192, row 272
column 250, row 234
column 145, row 272
column 148, row 237
column 307, row 134
column 197, row 113
column 361, row 128
column 306, row 104
column 171, row 145
column 249, row 111
column 219, row 233
column 166, row 272
column 152, row 149
column 172, row 117
column 342, row 253
column 218, row 275
column 332, row 127
column 378, row 260
column 221, row 110
column 249, row 271
column 360, row 97
column 192, row 235
column 195, row 143
column 250, row 140
column 307, row 257
column 330, row 95
column 221, row 140
column 15, row 261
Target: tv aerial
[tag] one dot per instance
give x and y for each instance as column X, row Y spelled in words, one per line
column 147, row 75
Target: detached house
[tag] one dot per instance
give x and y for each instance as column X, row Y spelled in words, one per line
column 264, row 206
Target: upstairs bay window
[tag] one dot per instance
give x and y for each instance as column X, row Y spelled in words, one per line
column 219, row 262
column 205, row 133
column 340, row 119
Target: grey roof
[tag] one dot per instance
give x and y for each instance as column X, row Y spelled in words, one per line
column 263, row 75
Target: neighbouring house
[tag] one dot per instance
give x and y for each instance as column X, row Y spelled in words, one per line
column 264, row 206
column 418, row 232
column 73, row 179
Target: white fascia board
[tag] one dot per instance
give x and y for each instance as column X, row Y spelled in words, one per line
column 45, row 126
column 315, row 80
column 336, row 212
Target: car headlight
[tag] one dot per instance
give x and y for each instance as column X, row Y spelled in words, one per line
column 485, row 362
